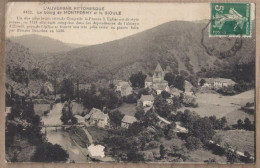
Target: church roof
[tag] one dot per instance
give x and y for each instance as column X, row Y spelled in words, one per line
column 158, row 68
column 148, row 79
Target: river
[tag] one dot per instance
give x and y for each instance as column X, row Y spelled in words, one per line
column 60, row 136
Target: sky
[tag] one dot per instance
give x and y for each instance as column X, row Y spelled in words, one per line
column 149, row 14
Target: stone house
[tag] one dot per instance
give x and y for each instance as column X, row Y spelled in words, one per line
column 146, row 100
column 123, row 87
column 98, row 118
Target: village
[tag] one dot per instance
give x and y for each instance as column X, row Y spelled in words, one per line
column 164, row 113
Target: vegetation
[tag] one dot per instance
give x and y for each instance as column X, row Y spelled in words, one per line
column 161, row 106
column 100, row 98
column 177, row 81
column 138, row 79
column 24, row 125
column 48, row 152
column 193, row 143
column 67, row 116
column 247, row 125
column 140, row 113
column 115, row 117
column 67, row 89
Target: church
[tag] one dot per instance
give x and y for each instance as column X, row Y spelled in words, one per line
column 157, row 81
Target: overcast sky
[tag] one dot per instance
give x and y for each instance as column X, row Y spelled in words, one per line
column 150, row 15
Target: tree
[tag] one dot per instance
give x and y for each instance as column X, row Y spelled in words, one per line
column 203, row 129
column 134, row 129
column 193, row 143
column 67, row 116
column 139, row 112
column 180, row 82
column 176, row 103
column 247, row 157
column 150, row 119
column 138, row 79
column 161, row 107
column 240, row 124
column 116, row 117
column 130, row 99
column 169, row 130
column 67, row 88
column 49, row 153
column 202, row 82
column 223, row 122
column 165, row 94
column 162, row 151
column 170, row 78
column 247, row 123
column 231, row 156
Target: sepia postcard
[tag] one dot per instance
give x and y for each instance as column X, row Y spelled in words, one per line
column 130, row 82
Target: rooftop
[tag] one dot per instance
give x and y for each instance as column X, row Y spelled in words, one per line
column 129, row 119
column 147, row 98
column 158, row 68
column 96, row 114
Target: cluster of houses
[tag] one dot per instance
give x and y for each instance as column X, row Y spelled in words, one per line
column 155, row 83
column 98, row 118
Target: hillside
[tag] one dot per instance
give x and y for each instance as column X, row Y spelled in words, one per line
column 23, row 72
column 43, row 44
column 184, row 46
column 176, row 43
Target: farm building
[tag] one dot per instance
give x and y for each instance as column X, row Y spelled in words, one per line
column 215, row 83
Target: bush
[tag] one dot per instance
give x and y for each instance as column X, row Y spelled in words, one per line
column 193, row 143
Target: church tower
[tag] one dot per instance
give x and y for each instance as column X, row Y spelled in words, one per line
column 158, row 74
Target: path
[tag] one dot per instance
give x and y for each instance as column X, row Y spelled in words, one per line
column 88, row 135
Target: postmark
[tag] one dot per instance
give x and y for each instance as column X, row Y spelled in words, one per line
column 230, row 19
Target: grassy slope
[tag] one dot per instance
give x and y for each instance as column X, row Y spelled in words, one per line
column 240, row 139
column 220, row 106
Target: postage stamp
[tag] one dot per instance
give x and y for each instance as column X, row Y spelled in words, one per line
column 230, row 19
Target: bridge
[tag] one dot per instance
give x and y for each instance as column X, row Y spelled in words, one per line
column 59, row 125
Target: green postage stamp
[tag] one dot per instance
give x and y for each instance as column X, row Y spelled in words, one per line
column 230, row 19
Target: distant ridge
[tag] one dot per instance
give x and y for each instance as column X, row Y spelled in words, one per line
column 43, row 44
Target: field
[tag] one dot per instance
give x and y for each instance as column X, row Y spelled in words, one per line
column 127, row 109
column 241, row 139
column 220, row 106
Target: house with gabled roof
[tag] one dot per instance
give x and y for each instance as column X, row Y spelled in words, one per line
column 98, row 118
column 123, row 87
column 215, row 83
column 127, row 121
column 146, row 100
